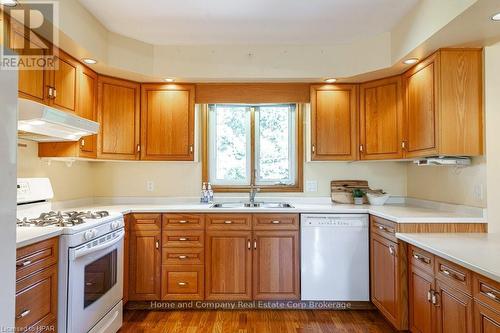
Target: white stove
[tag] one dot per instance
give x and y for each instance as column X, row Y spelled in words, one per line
column 90, row 259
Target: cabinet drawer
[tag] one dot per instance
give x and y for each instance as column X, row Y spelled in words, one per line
column 454, row 275
column 276, row 222
column 36, row 299
column 182, row 282
column 183, row 221
column 383, row 228
column 181, row 256
column 36, row 257
column 229, row 222
column 421, row 259
column 487, row 291
column 183, row 238
column 146, row 222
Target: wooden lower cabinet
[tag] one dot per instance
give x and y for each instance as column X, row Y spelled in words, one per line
column 276, row 270
column 388, row 279
column 181, row 282
column 36, row 287
column 486, row 320
column 145, row 257
column 453, row 310
column 421, row 310
column 228, row 261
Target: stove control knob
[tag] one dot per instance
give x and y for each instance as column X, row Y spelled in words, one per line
column 89, row 234
column 94, row 232
column 115, row 225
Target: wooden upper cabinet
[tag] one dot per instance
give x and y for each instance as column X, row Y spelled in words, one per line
column 87, row 108
column 167, row 122
column 381, row 119
column 63, row 84
column 422, row 91
column 443, row 105
column 118, row 113
column 333, row 122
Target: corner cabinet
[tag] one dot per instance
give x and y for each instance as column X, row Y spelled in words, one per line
column 333, row 122
column 381, row 119
column 167, row 113
column 118, row 113
column 443, row 105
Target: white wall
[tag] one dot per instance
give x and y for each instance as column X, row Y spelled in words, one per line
column 492, row 114
column 8, row 102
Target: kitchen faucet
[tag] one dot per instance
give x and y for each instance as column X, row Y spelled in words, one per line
column 253, row 192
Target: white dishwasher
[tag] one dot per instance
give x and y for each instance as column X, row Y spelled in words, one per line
column 334, row 257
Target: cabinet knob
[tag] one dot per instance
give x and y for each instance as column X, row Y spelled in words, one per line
column 182, row 239
column 191, row 149
column 249, row 245
column 82, row 142
column 361, row 148
column 138, row 148
column 228, row 222
column 391, row 249
column 182, row 257
column 255, row 244
column 276, row 222
column 313, row 148
column 182, row 284
column 157, row 244
column 183, row 221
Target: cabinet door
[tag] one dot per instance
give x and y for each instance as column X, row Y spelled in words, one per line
column 421, row 286
column 145, row 257
column 333, row 122
column 118, row 113
column 64, row 81
column 381, row 119
column 388, row 280
column 167, row 129
column 454, row 310
column 486, row 320
column 228, row 265
column 421, row 107
column 276, row 265
column 31, row 83
column 87, row 108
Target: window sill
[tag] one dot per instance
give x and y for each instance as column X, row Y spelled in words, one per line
column 263, row 188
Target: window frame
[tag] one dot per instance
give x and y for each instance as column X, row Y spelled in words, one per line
column 298, row 153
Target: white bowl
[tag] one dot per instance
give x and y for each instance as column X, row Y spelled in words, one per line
column 377, row 199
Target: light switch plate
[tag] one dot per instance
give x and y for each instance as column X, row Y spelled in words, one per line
column 311, row 186
column 150, row 186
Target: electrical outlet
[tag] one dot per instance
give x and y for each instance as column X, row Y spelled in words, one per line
column 311, row 186
column 478, row 192
column 150, row 186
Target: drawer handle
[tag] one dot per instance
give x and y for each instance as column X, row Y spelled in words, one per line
column 454, row 275
column 182, row 284
column 183, row 221
column 89, row 284
column 182, row 239
column 23, row 314
column 422, row 258
column 24, row 263
column 228, row 222
column 492, row 296
column 182, row 257
column 276, row 222
column 384, row 229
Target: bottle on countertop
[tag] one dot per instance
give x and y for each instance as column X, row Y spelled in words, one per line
column 210, row 193
column 204, row 193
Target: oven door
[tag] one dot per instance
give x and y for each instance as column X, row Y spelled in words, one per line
column 95, row 280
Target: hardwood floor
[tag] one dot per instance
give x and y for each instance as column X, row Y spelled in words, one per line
column 253, row 321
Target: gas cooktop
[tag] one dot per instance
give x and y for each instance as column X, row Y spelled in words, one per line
column 61, row 219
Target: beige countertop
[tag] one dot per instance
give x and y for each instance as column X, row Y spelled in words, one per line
column 479, row 252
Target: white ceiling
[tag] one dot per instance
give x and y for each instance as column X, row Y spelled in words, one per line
column 249, row 21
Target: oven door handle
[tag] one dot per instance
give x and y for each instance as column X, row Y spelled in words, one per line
column 84, row 251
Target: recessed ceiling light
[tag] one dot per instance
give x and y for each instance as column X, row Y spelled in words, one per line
column 169, row 79
column 8, row 3
column 496, row 17
column 330, row 80
column 89, row 61
column 410, row 61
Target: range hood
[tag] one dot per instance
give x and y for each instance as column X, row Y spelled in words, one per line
column 444, row 161
column 38, row 122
